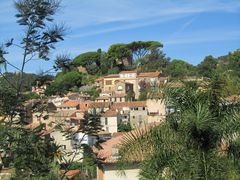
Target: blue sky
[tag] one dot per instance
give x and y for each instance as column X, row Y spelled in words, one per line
column 189, row 29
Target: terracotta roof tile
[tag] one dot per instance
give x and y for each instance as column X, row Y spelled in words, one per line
column 110, row 113
column 149, row 74
column 129, row 104
column 107, row 147
column 99, row 104
column 70, row 103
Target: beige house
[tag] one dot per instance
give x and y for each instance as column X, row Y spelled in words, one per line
column 138, row 113
column 109, row 82
column 128, row 77
column 156, row 110
column 127, row 81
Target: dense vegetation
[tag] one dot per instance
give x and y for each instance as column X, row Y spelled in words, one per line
column 145, row 56
column 200, row 140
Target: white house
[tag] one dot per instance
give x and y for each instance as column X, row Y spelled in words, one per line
column 110, row 120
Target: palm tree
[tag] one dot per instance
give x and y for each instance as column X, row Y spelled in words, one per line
column 200, row 140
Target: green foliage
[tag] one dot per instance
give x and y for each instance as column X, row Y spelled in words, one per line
column 180, row 69
column 31, row 95
column 113, row 70
column 207, row 67
column 92, row 69
column 87, row 58
column 156, row 61
column 143, row 95
column 10, row 79
column 117, row 53
column 141, row 48
column 130, row 96
column 64, row 82
column 8, row 99
column 124, row 127
column 198, row 141
column 30, row 152
column 64, row 63
column 93, row 93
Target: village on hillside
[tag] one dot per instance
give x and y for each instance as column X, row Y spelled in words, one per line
column 119, row 90
column 116, row 106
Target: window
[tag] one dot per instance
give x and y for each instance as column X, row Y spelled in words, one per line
column 136, row 108
column 143, row 108
column 108, row 82
column 133, row 117
column 120, row 88
column 106, row 121
column 140, row 118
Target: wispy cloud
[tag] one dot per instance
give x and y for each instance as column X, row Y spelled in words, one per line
column 213, row 35
column 135, row 13
column 183, row 27
column 124, row 27
column 94, row 12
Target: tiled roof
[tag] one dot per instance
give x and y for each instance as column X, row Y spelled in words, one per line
column 107, row 147
column 129, row 104
column 110, row 113
column 99, row 104
column 106, row 152
column 149, row 74
column 70, row 103
column 63, row 114
column 111, row 76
